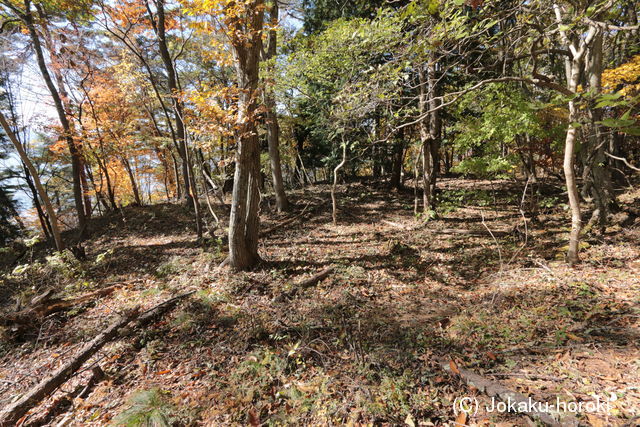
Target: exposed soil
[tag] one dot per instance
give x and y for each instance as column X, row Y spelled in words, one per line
column 475, row 286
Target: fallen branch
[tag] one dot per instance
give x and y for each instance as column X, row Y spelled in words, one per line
column 315, row 278
column 45, row 305
column 62, row 404
column 478, row 233
column 404, row 227
column 305, row 284
column 520, row 401
column 270, row 230
column 14, row 412
column 152, row 313
column 394, row 224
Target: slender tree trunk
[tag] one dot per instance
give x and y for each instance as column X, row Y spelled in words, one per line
column 435, row 129
column 572, row 188
column 195, row 200
column 273, row 129
column 85, row 190
column 172, row 83
column 132, row 179
column 42, row 217
column 299, row 164
column 244, row 219
column 396, row 168
column 573, row 67
column 178, row 188
column 53, row 221
column 334, row 203
column 598, row 175
column 425, row 139
column 101, row 199
column 76, row 163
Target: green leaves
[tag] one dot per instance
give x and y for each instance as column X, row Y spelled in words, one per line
column 610, row 100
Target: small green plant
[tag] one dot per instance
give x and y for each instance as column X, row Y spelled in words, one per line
column 32, row 241
column 149, row 408
column 104, row 255
column 426, row 216
column 169, row 268
column 549, row 202
column 65, row 264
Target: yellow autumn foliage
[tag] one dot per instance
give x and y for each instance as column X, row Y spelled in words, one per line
column 627, row 75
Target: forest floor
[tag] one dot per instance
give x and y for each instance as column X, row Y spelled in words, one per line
column 364, row 345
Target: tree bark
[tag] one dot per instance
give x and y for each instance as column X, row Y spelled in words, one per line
column 172, row 84
column 244, row 219
column 36, row 179
column 573, row 67
column 273, row 128
column 597, row 174
column 425, row 139
column 76, row 158
column 334, row 203
column 396, row 166
column 572, row 188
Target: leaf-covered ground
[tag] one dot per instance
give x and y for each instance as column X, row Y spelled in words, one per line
column 476, row 287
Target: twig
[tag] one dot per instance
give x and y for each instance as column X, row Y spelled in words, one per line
column 285, row 222
column 623, row 160
column 494, row 238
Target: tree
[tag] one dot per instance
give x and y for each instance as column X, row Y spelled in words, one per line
column 244, row 28
column 57, row 91
column 273, row 128
column 34, row 174
column 241, row 24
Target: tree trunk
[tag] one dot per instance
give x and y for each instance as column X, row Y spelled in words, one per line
column 425, row 139
column 273, row 129
column 572, row 188
column 334, row 203
column 172, row 83
column 132, row 179
column 76, row 162
column 435, row 128
column 596, row 164
column 396, row 167
column 195, row 200
column 178, row 188
column 53, row 221
column 244, row 218
column 573, row 67
column 42, row 217
column 86, row 197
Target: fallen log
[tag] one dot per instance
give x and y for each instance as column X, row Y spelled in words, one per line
column 307, row 283
column 14, row 412
column 62, row 404
column 394, row 224
column 44, row 305
column 304, row 284
column 497, row 390
column 475, row 233
column 152, row 313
